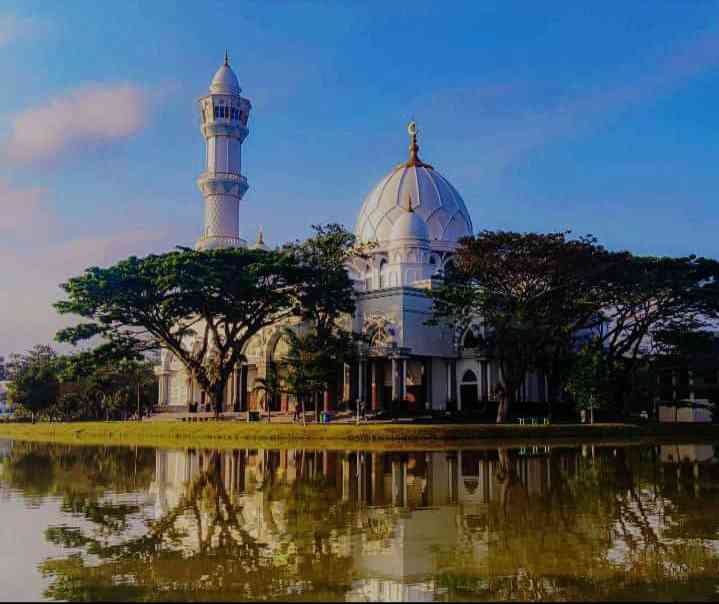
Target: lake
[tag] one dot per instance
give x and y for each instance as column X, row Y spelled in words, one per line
column 586, row 522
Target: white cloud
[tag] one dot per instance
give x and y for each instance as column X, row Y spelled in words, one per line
column 89, row 114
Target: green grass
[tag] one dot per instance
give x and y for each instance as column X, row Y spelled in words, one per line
column 385, row 436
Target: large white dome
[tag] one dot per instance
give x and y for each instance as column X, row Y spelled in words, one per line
column 434, row 200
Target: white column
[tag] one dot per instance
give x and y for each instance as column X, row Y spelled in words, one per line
column 361, row 380
column 459, row 386
column 490, row 380
column 395, row 380
column 449, row 380
column 403, row 380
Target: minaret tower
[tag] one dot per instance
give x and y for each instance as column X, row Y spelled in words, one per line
column 224, row 125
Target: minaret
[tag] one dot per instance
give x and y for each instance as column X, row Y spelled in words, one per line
column 224, row 116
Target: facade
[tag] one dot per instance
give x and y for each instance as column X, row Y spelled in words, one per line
column 414, row 219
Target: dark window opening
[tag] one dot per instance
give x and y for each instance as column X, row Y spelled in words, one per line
column 469, row 376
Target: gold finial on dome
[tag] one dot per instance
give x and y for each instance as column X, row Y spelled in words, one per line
column 260, row 237
column 227, row 58
column 414, row 159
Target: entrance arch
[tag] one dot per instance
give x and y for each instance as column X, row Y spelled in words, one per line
column 469, row 391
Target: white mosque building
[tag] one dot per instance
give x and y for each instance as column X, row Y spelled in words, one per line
column 414, row 218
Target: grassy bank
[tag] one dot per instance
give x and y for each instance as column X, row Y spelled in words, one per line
column 385, row 436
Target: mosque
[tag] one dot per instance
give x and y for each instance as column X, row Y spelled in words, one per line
column 414, row 218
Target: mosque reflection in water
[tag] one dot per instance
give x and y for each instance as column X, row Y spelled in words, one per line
column 396, row 526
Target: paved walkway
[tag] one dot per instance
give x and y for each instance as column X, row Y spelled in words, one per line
column 276, row 417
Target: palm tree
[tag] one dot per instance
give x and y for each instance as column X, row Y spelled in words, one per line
column 271, row 385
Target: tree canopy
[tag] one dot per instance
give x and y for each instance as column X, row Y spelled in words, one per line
column 539, row 294
column 34, row 385
column 202, row 306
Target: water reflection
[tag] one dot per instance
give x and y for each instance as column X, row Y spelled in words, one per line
column 535, row 523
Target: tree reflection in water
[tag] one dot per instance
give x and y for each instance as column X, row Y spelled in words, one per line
column 532, row 524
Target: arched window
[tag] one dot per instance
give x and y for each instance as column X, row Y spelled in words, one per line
column 469, row 377
column 432, row 260
column 382, row 273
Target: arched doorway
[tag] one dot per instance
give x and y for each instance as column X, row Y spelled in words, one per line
column 469, row 391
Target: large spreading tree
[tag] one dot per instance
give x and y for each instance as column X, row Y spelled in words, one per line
column 202, row 306
column 539, row 295
column 644, row 298
column 531, row 291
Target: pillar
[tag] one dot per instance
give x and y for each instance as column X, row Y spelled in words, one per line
column 449, row 380
column 373, row 373
column 346, row 377
column 490, row 380
column 403, row 380
column 396, row 395
column 361, row 380
column 428, row 386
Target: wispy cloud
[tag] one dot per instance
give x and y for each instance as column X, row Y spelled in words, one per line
column 85, row 115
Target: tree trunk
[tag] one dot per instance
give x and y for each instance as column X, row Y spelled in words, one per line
column 213, row 394
column 503, row 409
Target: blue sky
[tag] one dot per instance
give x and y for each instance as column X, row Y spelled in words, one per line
column 596, row 117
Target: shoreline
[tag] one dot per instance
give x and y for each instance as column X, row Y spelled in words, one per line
column 392, row 436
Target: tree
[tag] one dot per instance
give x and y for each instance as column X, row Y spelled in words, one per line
column 536, row 293
column 93, row 387
column 308, row 369
column 532, row 293
column 327, row 292
column 326, row 297
column 202, row 306
column 271, row 386
column 33, row 381
column 643, row 295
column 589, row 378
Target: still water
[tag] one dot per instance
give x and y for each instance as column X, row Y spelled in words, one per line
column 577, row 523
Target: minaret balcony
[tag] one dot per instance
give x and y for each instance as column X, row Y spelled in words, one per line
column 222, row 183
column 225, row 127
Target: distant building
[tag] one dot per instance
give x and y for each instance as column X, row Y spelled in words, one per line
column 5, row 407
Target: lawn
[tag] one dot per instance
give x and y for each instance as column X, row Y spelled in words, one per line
column 238, row 434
